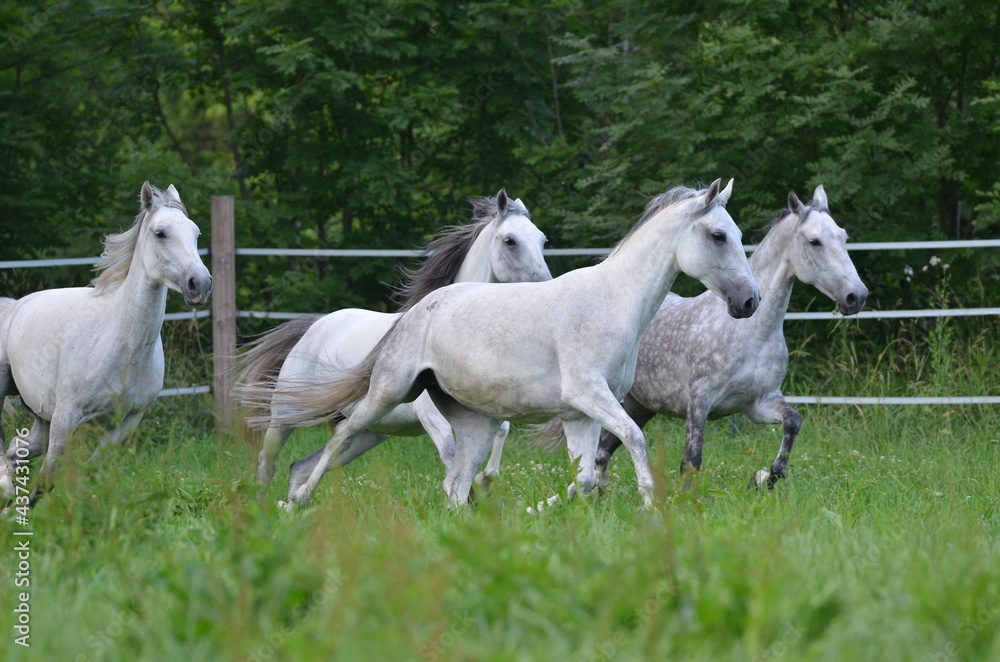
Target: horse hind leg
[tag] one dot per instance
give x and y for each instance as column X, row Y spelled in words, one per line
column 305, row 473
column 116, row 436
column 791, row 422
column 356, row 447
column 274, row 440
column 474, row 434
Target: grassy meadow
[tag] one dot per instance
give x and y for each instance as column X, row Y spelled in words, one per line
column 883, row 543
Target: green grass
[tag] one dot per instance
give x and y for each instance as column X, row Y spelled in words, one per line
column 882, row 544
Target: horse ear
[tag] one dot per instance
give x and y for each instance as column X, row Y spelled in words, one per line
column 172, row 193
column 794, row 204
column 819, row 199
column 713, row 191
column 146, row 197
column 726, row 192
column 502, row 203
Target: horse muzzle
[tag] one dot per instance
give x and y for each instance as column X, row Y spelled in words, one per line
column 743, row 306
column 197, row 289
column 853, row 302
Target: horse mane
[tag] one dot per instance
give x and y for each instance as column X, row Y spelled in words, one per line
column 660, row 202
column 443, row 256
column 779, row 217
column 116, row 258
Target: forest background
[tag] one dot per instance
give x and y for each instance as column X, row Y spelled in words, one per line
column 368, row 124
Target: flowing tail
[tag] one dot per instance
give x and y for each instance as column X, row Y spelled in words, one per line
column 258, row 368
column 308, row 402
column 551, row 435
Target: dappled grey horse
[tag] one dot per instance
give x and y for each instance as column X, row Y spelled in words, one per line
column 500, row 245
column 696, row 362
column 83, row 353
column 533, row 351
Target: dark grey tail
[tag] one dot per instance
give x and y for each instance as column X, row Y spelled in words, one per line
column 259, row 366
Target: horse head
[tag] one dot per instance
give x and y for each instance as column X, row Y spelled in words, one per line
column 516, row 245
column 711, row 251
column 819, row 253
column 169, row 241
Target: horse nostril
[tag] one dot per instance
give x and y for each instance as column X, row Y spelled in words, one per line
column 852, row 300
column 749, row 304
column 192, row 285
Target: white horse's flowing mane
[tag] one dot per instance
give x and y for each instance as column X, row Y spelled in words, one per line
column 116, row 258
column 443, row 256
column 661, row 202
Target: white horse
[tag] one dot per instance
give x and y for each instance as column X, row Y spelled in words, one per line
column 501, row 245
column 563, row 348
column 84, row 353
column 696, row 363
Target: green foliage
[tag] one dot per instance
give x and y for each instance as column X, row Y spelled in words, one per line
column 366, row 124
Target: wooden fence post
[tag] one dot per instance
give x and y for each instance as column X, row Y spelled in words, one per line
column 223, row 308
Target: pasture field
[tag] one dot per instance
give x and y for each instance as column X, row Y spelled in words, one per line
column 882, row 545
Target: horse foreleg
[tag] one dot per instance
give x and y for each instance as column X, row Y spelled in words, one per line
column 116, row 436
column 492, row 472
column 61, row 427
column 474, row 433
column 22, row 450
column 777, row 410
column 609, row 442
column 600, row 404
column 694, row 437
column 581, row 441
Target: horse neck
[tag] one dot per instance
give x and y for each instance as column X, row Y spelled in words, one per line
column 636, row 269
column 477, row 266
column 139, row 305
column 774, row 275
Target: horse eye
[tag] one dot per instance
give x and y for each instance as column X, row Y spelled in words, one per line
column 509, row 241
column 719, row 237
column 160, row 234
column 815, row 242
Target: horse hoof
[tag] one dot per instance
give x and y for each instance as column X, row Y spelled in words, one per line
column 759, row 479
column 543, row 505
column 286, row 506
column 6, row 476
column 7, row 485
column 484, row 481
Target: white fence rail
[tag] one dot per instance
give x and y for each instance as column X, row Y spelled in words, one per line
column 594, row 252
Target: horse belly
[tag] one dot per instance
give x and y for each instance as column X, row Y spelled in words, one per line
column 505, row 385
